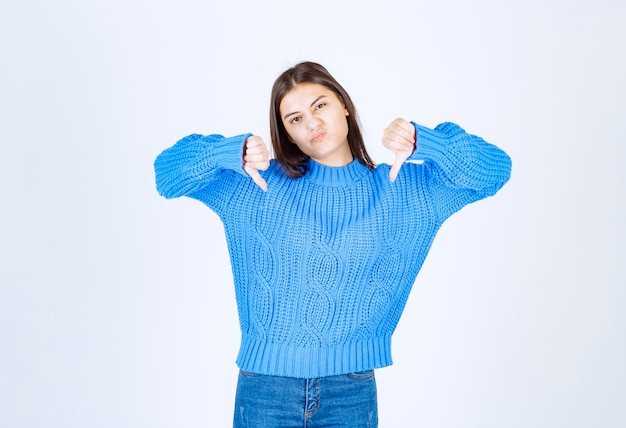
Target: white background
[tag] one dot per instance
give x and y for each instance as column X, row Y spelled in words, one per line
column 117, row 307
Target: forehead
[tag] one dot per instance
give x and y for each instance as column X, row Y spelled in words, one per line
column 303, row 94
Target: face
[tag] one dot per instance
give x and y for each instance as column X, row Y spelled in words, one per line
column 316, row 121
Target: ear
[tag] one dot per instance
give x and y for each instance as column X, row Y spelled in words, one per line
column 345, row 110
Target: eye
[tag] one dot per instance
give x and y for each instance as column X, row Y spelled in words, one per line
column 295, row 120
column 320, row 105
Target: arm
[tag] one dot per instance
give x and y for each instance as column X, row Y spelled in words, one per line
column 195, row 161
column 463, row 161
column 460, row 168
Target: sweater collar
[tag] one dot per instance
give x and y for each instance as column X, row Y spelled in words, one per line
column 335, row 176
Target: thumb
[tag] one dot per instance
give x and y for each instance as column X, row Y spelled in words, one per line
column 395, row 168
column 256, row 177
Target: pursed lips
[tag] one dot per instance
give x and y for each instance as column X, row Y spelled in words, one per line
column 318, row 137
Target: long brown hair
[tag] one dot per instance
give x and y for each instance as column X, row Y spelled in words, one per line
column 291, row 158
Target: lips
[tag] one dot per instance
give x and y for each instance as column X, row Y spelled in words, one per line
column 318, row 137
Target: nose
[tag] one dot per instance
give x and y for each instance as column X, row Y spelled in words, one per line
column 313, row 122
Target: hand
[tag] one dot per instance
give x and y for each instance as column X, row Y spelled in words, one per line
column 256, row 157
column 399, row 137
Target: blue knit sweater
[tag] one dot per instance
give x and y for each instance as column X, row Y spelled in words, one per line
column 323, row 264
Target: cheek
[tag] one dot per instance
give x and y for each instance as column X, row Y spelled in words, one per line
column 344, row 124
column 292, row 138
column 295, row 135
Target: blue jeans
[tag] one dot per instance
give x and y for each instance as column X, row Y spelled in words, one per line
column 281, row 402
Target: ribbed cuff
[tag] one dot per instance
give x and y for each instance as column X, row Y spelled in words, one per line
column 429, row 143
column 228, row 152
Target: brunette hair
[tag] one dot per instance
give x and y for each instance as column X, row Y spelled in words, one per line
column 291, row 158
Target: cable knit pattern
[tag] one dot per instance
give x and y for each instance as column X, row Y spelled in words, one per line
column 323, row 264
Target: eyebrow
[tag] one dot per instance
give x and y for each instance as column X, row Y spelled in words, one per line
column 312, row 104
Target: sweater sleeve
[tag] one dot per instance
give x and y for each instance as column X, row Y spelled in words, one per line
column 196, row 161
column 463, row 168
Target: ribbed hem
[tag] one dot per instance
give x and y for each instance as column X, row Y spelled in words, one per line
column 429, row 143
column 258, row 356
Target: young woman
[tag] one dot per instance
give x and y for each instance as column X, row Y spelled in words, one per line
column 324, row 245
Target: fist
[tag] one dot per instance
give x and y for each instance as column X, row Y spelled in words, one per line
column 399, row 137
column 256, row 158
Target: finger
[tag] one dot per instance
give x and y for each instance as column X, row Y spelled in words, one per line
column 256, row 149
column 405, row 129
column 256, row 177
column 395, row 168
column 256, row 158
column 255, row 143
column 406, row 125
column 397, row 138
column 260, row 165
column 254, row 140
column 396, row 143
